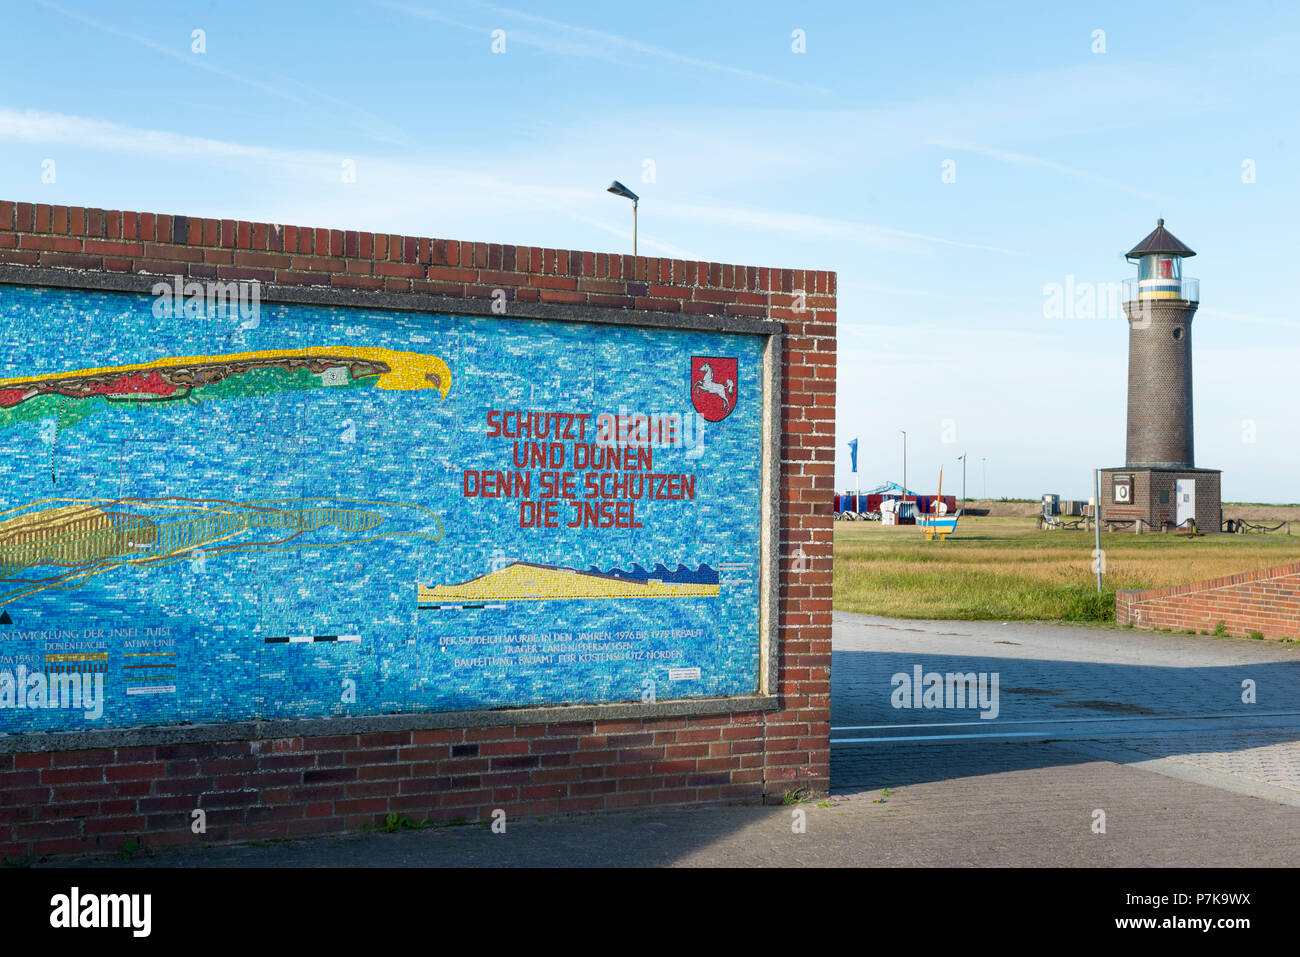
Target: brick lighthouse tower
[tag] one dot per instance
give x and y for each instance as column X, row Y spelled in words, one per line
column 1160, row 486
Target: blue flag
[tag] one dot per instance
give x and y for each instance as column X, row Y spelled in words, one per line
column 853, row 454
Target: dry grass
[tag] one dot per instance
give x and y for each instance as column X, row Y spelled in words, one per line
column 1005, row 568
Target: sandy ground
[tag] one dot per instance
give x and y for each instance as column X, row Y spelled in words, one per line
column 1266, row 513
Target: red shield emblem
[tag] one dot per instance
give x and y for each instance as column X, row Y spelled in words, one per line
column 713, row 386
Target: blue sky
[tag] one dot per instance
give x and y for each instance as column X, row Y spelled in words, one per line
column 831, row 159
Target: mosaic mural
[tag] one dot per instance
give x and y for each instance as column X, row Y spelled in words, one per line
column 320, row 511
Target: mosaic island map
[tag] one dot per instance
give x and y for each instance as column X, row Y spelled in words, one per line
column 343, row 511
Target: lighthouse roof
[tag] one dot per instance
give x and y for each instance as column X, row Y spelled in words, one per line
column 1160, row 240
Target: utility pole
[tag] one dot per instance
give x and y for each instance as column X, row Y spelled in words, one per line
column 904, row 463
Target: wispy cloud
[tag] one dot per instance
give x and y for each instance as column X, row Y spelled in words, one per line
column 35, row 126
column 548, row 44
column 368, row 123
column 437, row 190
column 576, row 40
column 964, row 298
column 819, row 227
column 466, row 188
column 1024, row 159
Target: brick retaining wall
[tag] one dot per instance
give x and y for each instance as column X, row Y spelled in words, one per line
column 1265, row 601
column 87, row 800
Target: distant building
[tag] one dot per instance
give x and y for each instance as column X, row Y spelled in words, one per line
column 861, row 504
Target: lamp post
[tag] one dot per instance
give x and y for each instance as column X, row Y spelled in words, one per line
column 962, row 458
column 984, row 470
column 1097, row 558
column 904, row 464
column 857, row 481
column 618, row 189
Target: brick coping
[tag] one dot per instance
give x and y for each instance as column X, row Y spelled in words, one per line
column 121, row 241
column 1208, row 584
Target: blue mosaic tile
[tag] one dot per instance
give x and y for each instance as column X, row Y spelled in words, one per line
column 200, row 522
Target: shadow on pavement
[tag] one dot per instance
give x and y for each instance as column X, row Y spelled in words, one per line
column 1170, row 711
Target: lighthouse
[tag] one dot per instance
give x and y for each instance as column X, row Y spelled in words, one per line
column 1160, row 486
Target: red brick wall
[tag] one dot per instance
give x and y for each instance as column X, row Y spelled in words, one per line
column 94, row 800
column 1266, row 601
column 1146, row 505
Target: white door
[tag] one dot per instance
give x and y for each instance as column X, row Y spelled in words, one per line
column 1185, row 489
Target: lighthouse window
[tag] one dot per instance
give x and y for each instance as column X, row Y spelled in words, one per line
column 1160, row 267
column 1178, row 332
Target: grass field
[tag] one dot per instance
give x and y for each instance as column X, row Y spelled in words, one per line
column 1005, row 568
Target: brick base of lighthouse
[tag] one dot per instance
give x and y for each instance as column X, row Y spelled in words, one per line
column 1152, row 496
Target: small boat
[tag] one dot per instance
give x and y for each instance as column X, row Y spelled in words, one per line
column 937, row 523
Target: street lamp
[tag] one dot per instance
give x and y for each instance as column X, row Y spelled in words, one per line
column 985, row 472
column 618, row 189
column 904, row 464
column 962, row 459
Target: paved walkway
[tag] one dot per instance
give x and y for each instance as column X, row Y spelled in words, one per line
column 1021, row 805
column 1148, row 728
column 1165, row 703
